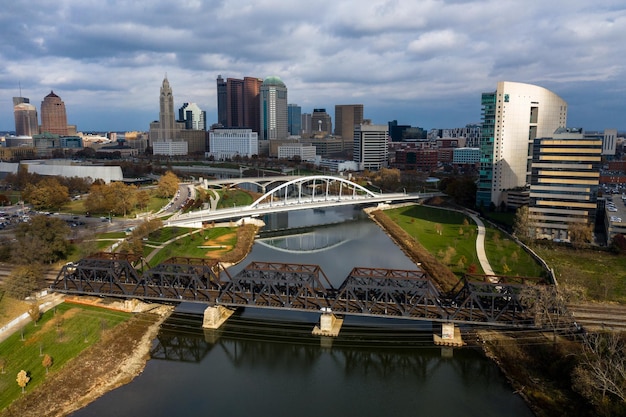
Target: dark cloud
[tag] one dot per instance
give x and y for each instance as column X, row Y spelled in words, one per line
column 426, row 62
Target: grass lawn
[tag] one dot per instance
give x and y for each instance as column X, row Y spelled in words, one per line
column 455, row 244
column 593, row 274
column 197, row 244
column 501, row 251
column 233, row 197
column 61, row 333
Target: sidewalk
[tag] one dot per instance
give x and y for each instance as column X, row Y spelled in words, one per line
column 480, row 244
column 46, row 302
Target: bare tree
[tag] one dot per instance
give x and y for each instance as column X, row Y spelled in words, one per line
column 580, row 234
column 549, row 304
column 601, row 372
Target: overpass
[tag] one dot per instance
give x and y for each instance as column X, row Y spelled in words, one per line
column 298, row 193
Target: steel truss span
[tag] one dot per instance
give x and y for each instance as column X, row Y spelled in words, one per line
column 407, row 294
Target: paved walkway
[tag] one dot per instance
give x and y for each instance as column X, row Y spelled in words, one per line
column 46, row 302
column 480, row 245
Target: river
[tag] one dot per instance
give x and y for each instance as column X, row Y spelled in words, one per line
column 267, row 363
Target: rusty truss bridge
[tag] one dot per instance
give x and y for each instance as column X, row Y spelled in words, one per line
column 408, row 294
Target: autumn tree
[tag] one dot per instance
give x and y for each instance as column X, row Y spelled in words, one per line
column 46, row 362
column 46, row 194
column 42, row 240
column 34, row 312
column 123, row 197
column 387, row 178
column 23, row 281
column 143, row 199
column 168, row 185
column 580, row 234
column 22, row 379
column 522, row 225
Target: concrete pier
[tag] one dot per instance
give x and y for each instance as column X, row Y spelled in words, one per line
column 329, row 324
column 450, row 336
column 215, row 316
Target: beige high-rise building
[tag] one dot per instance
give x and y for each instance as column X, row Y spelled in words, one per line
column 347, row 116
column 26, row 121
column 513, row 116
column 166, row 128
column 53, row 115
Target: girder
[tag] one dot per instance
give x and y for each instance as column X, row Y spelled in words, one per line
column 408, row 294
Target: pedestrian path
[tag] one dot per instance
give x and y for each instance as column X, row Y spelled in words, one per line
column 480, row 245
column 46, row 302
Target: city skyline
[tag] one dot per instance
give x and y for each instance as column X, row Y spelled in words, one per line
column 422, row 63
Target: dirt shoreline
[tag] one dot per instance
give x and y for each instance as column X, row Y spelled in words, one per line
column 97, row 370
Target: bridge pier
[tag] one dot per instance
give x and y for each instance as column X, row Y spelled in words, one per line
column 450, row 336
column 330, row 325
column 215, row 316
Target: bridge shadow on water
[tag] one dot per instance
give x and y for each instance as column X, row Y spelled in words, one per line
column 365, row 346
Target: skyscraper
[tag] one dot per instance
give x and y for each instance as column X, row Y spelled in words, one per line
column 512, row 117
column 26, row 121
column 53, row 116
column 273, row 109
column 193, row 116
column 346, row 117
column 294, row 119
column 321, row 122
column 370, row 146
column 564, row 182
column 166, row 128
column 222, row 103
column 238, row 102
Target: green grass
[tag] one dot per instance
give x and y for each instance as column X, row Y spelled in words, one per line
column 61, row 333
column 234, row 197
column 166, row 233
column 595, row 275
column 501, row 251
column 188, row 246
column 421, row 223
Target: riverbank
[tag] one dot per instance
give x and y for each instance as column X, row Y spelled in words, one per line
column 115, row 360
column 538, row 368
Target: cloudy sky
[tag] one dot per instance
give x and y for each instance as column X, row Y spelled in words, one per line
column 421, row 62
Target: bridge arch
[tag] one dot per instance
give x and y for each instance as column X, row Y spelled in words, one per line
column 282, row 191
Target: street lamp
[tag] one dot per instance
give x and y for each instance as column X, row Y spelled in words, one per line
column 109, row 216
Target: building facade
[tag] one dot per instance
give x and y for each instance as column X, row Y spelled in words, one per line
column 294, row 119
column 303, row 151
column 306, row 124
column 193, row 117
column 370, row 146
column 238, row 102
column 166, row 128
column 226, row 143
column 273, row 109
column 512, row 117
column 346, row 117
column 26, row 120
column 321, row 122
column 564, row 182
column 53, row 115
column 170, row 148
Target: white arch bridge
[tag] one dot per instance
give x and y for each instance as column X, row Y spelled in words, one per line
column 307, row 192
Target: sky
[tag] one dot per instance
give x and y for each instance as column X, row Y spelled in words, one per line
column 420, row 62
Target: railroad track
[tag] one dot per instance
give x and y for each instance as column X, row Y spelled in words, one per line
column 594, row 317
